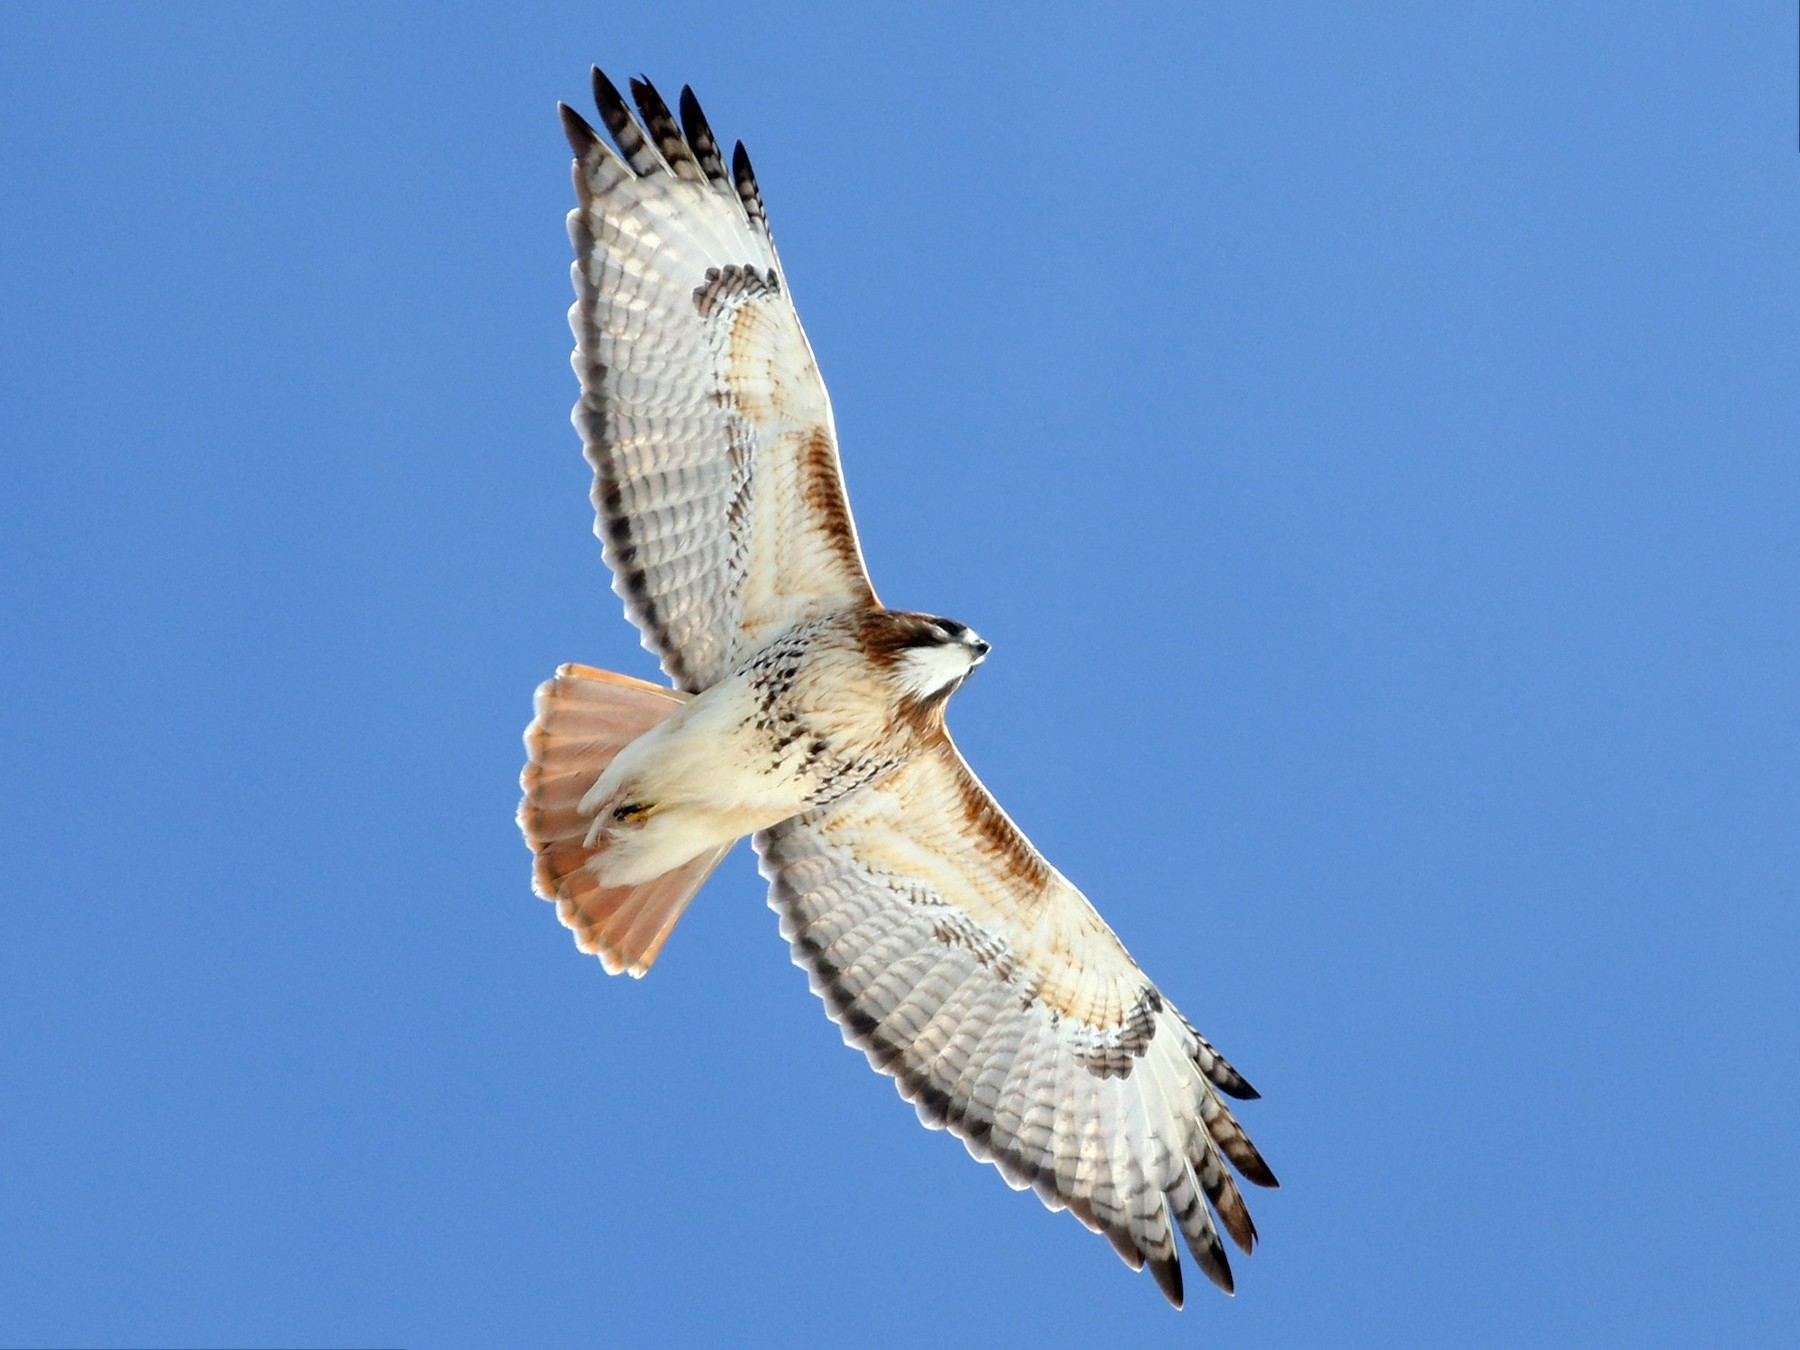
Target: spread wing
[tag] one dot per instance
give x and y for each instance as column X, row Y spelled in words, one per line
column 717, row 491
column 960, row 962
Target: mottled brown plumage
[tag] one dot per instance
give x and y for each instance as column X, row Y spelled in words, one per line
column 807, row 715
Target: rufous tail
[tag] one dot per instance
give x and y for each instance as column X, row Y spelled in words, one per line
column 584, row 718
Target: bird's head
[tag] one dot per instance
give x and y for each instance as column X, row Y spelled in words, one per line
column 928, row 656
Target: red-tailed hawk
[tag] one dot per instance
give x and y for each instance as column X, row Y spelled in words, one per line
column 806, row 714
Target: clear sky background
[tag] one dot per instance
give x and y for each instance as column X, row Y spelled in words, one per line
column 1369, row 435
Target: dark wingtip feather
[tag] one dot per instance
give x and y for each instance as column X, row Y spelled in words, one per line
column 609, row 101
column 1244, row 1234
column 1244, row 1155
column 665, row 134
column 582, row 136
column 700, row 137
column 649, row 102
column 637, row 149
column 748, row 192
column 1238, row 1086
column 1234, row 1213
column 1167, row 1270
column 1256, row 1170
column 1214, row 1262
column 618, row 121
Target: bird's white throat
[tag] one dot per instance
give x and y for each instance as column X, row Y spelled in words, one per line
column 925, row 671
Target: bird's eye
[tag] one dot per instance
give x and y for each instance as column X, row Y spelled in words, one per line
column 952, row 629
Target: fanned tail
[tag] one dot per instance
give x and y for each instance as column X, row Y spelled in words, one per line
column 584, row 718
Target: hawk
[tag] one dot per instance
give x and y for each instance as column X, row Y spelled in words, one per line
column 809, row 716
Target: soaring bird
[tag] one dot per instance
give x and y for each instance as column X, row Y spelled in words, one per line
column 806, row 714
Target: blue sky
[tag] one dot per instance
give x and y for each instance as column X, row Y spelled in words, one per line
column 1367, row 435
